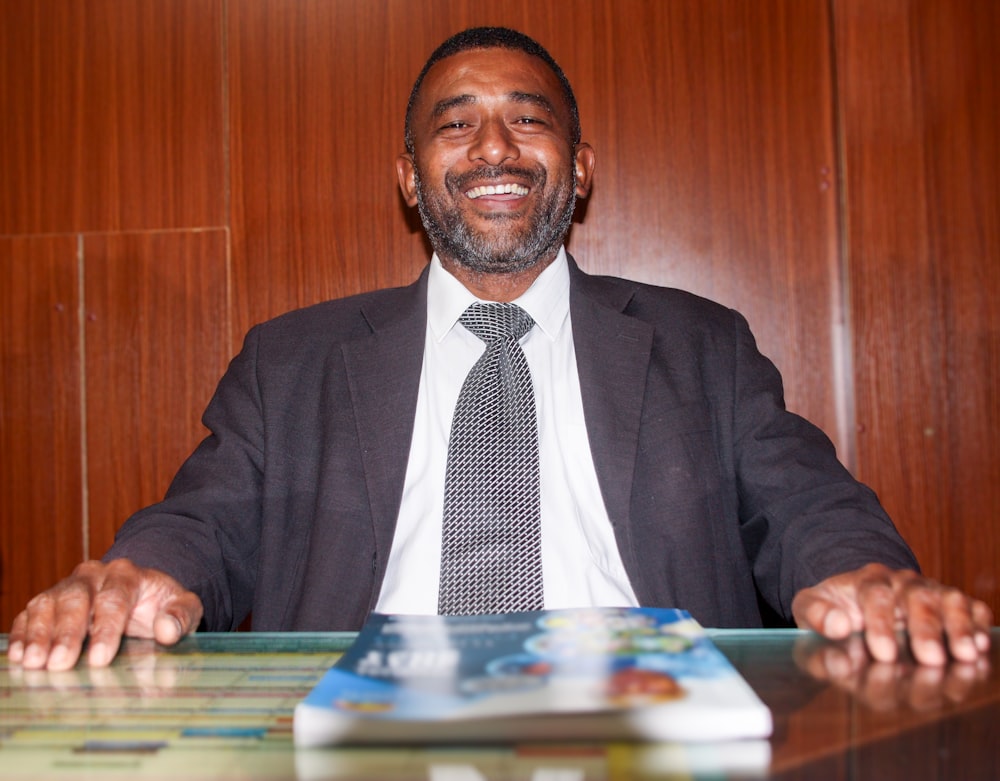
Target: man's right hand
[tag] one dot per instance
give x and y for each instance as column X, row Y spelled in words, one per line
column 104, row 601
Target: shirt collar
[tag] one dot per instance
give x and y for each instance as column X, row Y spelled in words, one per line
column 547, row 300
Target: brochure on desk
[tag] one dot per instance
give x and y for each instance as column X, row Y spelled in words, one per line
column 642, row 674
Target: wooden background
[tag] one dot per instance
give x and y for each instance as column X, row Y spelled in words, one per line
column 174, row 171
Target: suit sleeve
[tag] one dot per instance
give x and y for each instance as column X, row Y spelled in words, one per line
column 803, row 516
column 206, row 531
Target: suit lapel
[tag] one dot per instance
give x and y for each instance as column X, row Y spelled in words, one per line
column 612, row 355
column 383, row 371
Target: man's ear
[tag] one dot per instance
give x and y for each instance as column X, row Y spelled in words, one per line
column 584, row 161
column 406, row 171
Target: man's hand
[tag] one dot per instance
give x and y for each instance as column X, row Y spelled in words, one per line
column 881, row 602
column 104, row 601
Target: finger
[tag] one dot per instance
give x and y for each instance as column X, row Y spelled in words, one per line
column 959, row 625
column 179, row 617
column 168, row 629
column 982, row 617
column 812, row 610
column 36, row 636
column 56, row 626
column 15, row 644
column 966, row 624
column 878, row 604
column 933, row 615
column 114, row 604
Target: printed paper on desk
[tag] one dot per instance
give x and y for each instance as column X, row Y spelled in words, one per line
column 641, row 674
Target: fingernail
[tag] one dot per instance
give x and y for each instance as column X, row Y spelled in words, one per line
column 15, row 651
column 965, row 649
column 99, row 655
column 836, row 624
column 982, row 641
column 930, row 652
column 884, row 649
column 34, row 657
column 60, row 659
column 168, row 629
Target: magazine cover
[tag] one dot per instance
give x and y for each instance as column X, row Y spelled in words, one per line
column 580, row 674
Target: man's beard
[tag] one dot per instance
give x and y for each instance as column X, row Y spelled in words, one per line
column 518, row 244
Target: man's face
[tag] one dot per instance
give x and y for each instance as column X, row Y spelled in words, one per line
column 493, row 171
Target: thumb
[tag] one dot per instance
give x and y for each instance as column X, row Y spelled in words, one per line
column 812, row 610
column 178, row 617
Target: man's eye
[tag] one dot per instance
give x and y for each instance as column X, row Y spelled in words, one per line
column 456, row 125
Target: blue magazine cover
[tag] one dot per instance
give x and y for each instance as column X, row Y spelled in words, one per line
column 594, row 673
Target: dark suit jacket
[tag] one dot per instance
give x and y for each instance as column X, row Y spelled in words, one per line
column 715, row 492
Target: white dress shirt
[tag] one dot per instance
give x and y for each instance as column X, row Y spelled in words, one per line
column 581, row 566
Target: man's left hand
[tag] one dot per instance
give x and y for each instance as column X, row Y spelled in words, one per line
column 882, row 603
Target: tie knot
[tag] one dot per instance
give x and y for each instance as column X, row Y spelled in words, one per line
column 494, row 321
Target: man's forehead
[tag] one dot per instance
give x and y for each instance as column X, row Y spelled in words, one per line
column 510, row 73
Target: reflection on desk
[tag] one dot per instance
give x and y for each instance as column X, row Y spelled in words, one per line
column 220, row 706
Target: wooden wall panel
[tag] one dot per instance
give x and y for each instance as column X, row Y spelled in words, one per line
column 712, row 123
column 156, row 345
column 921, row 96
column 716, row 156
column 41, row 495
column 275, row 124
column 112, row 115
column 317, row 90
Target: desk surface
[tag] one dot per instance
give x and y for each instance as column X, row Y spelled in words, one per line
column 220, row 706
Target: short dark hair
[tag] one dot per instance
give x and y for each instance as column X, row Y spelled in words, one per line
column 494, row 38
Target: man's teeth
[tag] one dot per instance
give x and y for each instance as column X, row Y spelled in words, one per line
column 497, row 189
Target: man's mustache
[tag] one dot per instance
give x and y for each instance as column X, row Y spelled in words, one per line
column 463, row 181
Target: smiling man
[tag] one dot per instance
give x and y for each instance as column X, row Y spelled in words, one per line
column 499, row 167
column 636, row 447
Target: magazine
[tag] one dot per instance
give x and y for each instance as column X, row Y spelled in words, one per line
column 640, row 674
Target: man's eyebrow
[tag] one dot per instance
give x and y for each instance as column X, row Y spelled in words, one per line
column 447, row 104
column 531, row 98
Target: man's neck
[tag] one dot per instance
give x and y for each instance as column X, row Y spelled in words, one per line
column 496, row 287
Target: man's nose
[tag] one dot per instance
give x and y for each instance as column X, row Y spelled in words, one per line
column 494, row 144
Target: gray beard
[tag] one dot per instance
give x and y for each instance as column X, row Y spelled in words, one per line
column 452, row 238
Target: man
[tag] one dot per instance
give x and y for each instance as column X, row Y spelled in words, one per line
column 670, row 472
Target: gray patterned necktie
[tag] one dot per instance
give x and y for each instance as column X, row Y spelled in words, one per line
column 491, row 555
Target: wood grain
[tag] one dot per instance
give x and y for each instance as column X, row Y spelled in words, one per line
column 921, row 122
column 316, row 105
column 715, row 134
column 156, row 345
column 112, row 115
column 41, row 495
